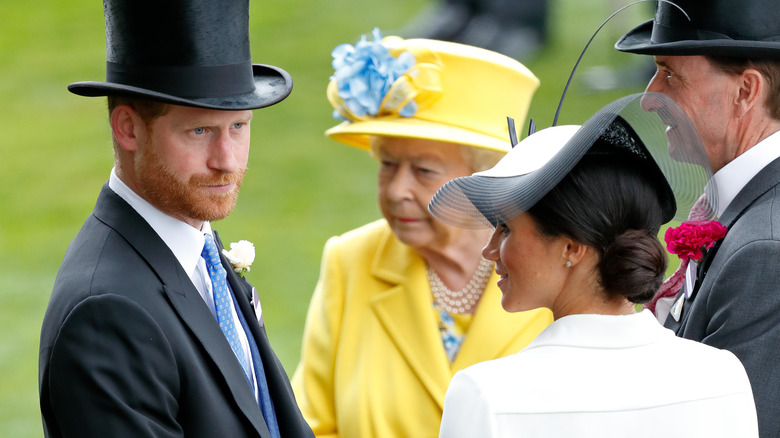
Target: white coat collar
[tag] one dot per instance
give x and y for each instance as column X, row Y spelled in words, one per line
column 602, row 331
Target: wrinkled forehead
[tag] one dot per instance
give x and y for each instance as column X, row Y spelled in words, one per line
column 416, row 148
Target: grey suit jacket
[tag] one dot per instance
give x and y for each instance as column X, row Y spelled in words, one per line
column 735, row 304
column 130, row 349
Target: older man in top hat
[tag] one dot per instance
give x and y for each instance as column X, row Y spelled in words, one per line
column 720, row 61
column 149, row 331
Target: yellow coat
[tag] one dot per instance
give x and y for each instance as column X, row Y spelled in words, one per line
column 373, row 363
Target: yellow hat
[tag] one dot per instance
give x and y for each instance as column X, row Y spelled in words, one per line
column 427, row 89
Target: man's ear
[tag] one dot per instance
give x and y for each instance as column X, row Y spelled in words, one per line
column 750, row 91
column 127, row 127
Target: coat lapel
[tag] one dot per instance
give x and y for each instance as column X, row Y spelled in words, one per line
column 764, row 181
column 701, row 272
column 288, row 415
column 494, row 332
column 183, row 296
column 404, row 311
column 196, row 315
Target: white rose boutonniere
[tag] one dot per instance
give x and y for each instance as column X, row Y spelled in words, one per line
column 241, row 255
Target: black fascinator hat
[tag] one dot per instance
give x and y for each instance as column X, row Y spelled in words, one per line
column 744, row 29
column 191, row 53
column 648, row 128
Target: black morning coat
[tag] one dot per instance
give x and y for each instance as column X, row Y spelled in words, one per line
column 130, row 349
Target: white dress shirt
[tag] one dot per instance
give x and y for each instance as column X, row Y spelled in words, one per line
column 186, row 243
column 734, row 176
column 596, row 376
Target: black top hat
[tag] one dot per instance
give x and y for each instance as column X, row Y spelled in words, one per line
column 744, row 28
column 191, row 53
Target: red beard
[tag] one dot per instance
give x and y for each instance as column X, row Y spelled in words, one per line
column 186, row 199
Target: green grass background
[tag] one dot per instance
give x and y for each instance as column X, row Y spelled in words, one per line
column 55, row 153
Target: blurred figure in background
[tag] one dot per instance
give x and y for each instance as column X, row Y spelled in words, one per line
column 404, row 302
column 631, row 72
column 516, row 28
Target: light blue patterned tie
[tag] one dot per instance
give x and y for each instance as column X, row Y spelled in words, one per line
column 222, row 302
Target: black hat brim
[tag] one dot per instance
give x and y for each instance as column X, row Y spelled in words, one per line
column 272, row 85
column 638, row 40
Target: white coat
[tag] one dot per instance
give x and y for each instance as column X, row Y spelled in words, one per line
column 603, row 376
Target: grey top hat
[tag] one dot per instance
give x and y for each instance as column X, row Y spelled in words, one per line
column 745, row 28
column 185, row 52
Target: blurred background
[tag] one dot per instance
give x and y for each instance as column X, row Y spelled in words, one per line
column 301, row 188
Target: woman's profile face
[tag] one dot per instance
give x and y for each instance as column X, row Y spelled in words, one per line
column 410, row 173
column 529, row 264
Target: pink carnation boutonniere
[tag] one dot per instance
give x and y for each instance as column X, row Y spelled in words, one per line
column 692, row 239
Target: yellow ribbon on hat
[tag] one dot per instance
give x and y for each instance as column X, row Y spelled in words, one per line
column 421, row 84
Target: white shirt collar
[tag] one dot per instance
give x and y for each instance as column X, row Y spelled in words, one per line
column 734, row 176
column 185, row 241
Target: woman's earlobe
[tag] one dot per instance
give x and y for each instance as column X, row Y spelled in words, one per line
column 574, row 252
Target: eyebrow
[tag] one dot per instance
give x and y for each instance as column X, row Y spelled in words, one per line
column 418, row 160
column 207, row 123
column 661, row 63
column 427, row 160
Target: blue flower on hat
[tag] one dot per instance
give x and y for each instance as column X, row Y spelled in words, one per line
column 364, row 76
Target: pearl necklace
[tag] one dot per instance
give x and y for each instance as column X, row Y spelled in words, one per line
column 464, row 300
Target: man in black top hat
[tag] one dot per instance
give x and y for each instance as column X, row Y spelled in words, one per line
column 150, row 332
column 720, row 61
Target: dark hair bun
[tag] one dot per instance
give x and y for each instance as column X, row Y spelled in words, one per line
column 633, row 266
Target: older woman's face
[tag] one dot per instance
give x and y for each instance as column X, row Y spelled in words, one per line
column 528, row 263
column 410, row 173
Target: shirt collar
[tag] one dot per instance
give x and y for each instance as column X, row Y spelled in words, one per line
column 185, row 241
column 734, row 176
